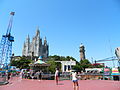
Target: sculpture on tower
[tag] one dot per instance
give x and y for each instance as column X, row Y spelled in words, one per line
column 82, row 52
column 36, row 47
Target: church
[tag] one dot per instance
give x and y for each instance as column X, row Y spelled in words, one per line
column 36, row 47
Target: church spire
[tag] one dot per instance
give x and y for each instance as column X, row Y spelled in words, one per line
column 45, row 41
column 28, row 38
column 37, row 31
column 36, row 47
column 45, row 38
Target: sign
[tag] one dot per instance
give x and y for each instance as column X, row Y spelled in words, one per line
column 106, row 71
column 115, row 70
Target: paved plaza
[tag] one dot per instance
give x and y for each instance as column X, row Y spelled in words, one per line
column 27, row 84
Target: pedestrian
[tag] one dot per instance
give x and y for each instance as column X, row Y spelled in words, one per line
column 75, row 81
column 9, row 75
column 28, row 74
column 32, row 74
column 57, row 75
column 21, row 75
column 40, row 75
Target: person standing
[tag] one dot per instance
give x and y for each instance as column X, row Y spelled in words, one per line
column 75, row 81
column 9, row 75
column 40, row 75
column 57, row 76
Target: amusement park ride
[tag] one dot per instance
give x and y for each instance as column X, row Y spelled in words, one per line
column 112, row 73
column 6, row 46
column 114, row 58
column 117, row 52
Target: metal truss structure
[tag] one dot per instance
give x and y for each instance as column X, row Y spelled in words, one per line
column 6, row 45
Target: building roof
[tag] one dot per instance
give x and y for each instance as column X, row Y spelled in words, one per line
column 39, row 62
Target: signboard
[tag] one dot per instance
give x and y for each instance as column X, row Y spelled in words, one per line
column 106, row 71
column 115, row 71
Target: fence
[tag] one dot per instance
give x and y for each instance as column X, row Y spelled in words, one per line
column 3, row 77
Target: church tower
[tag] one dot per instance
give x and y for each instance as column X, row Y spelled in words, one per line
column 36, row 47
column 26, row 46
column 82, row 52
column 45, row 48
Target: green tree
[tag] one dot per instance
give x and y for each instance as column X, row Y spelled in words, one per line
column 85, row 64
column 55, row 58
column 14, row 63
column 119, row 69
column 61, row 58
column 52, row 66
column 23, row 63
column 77, row 67
column 68, row 58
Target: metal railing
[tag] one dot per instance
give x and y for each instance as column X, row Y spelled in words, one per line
column 3, row 77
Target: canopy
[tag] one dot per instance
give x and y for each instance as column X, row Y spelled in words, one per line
column 39, row 62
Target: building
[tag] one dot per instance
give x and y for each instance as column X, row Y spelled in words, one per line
column 82, row 52
column 36, row 47
column 66, row 66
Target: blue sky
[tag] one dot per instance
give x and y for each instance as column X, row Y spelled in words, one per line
column 66, row 24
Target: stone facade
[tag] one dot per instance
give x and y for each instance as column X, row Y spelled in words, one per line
column 82, row 52
column 36, row 47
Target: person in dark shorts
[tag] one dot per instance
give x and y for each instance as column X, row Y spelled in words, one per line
column 75, row 81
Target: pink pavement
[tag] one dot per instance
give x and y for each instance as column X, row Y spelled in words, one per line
column 26, row 84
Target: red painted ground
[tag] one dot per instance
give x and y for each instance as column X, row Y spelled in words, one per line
column 18, row 84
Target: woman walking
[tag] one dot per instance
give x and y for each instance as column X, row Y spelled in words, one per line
column 75, row 81
column 57, row 76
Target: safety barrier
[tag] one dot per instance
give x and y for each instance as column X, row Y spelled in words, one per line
column 3, row 77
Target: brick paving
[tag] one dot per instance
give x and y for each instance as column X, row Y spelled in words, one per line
column 26, row 84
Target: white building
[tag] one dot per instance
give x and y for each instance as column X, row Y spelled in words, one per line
column 67, row 65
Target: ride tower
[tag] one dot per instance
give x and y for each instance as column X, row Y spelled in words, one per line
column 117, row 52
column 6, row 45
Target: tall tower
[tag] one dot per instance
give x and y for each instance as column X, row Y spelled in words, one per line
column 82, row 52
column 45, row 48
column 26, row 47
column 6, row 45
